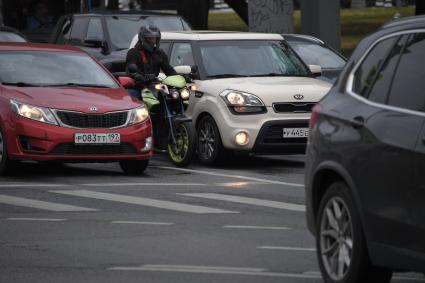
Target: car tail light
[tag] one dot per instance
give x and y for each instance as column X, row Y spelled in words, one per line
column 314, row 115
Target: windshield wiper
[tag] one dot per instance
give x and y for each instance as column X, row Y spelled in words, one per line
column 227, row 76
column 270, row 75
column 21, row 84
column 79, row 85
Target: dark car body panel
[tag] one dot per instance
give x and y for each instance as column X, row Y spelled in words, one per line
column 379, row 152
column 113, row 57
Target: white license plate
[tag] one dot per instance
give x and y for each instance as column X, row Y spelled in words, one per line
column 97, row 138
column 295, row 132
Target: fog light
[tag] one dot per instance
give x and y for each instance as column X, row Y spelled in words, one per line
column 242, row 138
column 148, row 145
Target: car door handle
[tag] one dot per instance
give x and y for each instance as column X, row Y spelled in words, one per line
column 357, row 122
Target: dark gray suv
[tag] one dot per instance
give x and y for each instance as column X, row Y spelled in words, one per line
column 365, row 186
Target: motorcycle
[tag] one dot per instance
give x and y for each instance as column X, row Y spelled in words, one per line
column 167, row 100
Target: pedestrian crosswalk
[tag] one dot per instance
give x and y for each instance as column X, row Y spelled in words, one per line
column 185, row 203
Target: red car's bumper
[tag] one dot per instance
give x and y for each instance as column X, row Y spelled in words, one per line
column 33, row 140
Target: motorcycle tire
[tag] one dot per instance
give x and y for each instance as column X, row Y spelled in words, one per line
column 182, row 152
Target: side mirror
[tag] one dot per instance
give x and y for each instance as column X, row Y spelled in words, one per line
column 126, row 82
column 97, row 43
column 183, row 70
column 316, row 70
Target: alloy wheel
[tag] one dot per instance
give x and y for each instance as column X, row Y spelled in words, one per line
column 336, row 238
column 206, row 139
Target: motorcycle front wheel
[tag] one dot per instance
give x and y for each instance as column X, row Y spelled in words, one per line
column 181, row 153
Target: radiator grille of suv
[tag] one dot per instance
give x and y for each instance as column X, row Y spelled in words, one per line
column 82, row 120
column 293, row 107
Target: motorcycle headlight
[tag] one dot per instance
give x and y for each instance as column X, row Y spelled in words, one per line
column 138, row 115
column 185, row 94
column 32, row 112
column 242, row 102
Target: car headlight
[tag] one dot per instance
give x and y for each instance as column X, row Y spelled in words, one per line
column 185, row 94
column 36, row 113
column 242, row 102
column 138, row 115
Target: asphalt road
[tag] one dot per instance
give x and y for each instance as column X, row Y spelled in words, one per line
column 242, row 222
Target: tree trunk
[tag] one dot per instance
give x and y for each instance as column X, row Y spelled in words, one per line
column 198, row 19
column 240, row 7
column 271, row 16
column 420, row 7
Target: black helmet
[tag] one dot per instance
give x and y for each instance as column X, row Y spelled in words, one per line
column 149, row 37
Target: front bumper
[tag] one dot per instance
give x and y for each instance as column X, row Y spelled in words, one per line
column 270, row 138
column 265, row 131
column 33, row 140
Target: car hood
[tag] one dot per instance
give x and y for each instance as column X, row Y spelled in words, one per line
column 272, row 89
column 74, row 99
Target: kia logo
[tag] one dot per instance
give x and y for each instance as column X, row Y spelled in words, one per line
column 93, row 109
column 299, row 96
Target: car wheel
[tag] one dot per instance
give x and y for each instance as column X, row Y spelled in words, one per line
column 210, row 148
column 6, row 164
column 134, row 167
column 340, row 241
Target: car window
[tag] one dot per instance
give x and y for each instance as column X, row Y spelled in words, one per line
column 181, row 55
column 95, row 30
column 382, row 79
column 364, row 75
column 63, row 36
column 122, row 28
column 315, row 54
column 408, row 86
column 78, row 31
column 165, row 46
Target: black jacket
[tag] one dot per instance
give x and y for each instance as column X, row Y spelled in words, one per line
column 156, row 62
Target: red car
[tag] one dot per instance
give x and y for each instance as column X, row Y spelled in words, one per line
column 59, row 104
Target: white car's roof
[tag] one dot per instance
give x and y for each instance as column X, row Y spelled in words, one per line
column 214, row 35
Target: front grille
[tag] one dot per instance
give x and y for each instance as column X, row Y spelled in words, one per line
column 293, row 107
column 72, row 149
column 83, row 121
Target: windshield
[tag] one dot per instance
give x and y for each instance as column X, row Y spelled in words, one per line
column 250, row 58
column 123, row 28
column 51, row 68
column 10, row 37
column 314, row 54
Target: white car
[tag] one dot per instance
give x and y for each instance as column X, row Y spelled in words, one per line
column 254, row 94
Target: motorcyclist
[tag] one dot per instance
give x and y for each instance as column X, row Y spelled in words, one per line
column 148, row 58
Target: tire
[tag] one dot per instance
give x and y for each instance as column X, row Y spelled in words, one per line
column 134, row 167
column 344, row 237
column 6, row 165
column 182, row 153
column 209, row 145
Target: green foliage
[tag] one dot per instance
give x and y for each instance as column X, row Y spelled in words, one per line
column 355, row 23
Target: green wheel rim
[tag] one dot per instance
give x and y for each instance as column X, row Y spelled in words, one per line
column 178, row 152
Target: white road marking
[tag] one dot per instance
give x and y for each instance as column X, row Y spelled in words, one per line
column 141, row 223
column 214, row 270
column 246, row 200
column 256, row 227
column 36, row 219
column 232, row 176
column 144, row 202
column 31, row 185
column 288, row 248
column 141, row 184
column 44, row 205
